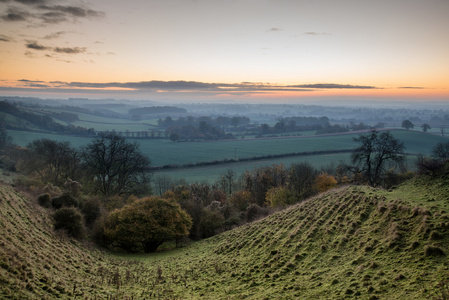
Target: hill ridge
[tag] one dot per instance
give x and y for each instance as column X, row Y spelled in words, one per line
column 354, row 242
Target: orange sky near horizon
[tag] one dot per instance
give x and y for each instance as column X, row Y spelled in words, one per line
column 272, row 50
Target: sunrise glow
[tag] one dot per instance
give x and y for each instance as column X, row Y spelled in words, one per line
column 235, row 50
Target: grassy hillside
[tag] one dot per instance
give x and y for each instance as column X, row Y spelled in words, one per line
column 354, row 242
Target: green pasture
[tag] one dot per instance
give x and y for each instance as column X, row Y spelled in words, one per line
column 23, row 138
column 166, row 152
column 210, row 174
column 163, row 152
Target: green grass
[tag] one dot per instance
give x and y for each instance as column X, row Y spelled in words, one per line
column 165, row 152
column 210, row 174
column 354, row 242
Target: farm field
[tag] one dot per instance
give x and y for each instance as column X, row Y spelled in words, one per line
column 165, row 152
column 210, row 174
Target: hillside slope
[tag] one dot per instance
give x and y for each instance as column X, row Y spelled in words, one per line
column 354, row 242
column 37, row 263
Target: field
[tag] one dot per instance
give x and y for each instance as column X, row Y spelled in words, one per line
column 355, row 242
column 165, row 152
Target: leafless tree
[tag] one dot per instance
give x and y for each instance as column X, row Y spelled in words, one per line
column 376, row 153
column 116, row 166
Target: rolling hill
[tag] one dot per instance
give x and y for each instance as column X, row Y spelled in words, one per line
column 354, row 242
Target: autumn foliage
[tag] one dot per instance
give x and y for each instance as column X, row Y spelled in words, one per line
column 325, row 182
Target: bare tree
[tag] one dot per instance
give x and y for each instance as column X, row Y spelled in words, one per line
column 117, row 166
column 441, row 151
column 376, row 153
column 52, row 161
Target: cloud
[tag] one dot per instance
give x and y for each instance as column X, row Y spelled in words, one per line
column 66, row 50
column 36, row 46
column 203, row 86
column 31, row 2
column 74, row 50
column 15, row 15
column 47, row 12
column 316, row 33
column 412, row 87
column 75, row 11
column 157, row 88
column 53, row 17
column 54, row 35
column 4, row 38
column 333, row 86
column 34, row 83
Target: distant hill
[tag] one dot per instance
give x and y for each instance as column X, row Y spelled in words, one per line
column 355, row 242
column 19, row 118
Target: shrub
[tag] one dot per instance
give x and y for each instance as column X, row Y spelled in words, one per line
column 44, row 200
column 146, row 224
column 280, row 196
column 325, row 182
column 240, row 200
column 65, row 200
column 91, row 209
column 53, row 190
column 428, row 166
column 72, row 187
column 211, row 221
column 70, row 220
column 254, row 212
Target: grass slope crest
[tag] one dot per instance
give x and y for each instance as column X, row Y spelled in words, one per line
column 354, row 242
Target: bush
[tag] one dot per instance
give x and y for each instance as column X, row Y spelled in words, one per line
column 325, row 182
column 280, row 196
column 428, row 166
column 254, row 212
column 44, row 200
column 54, row 191
column 146, row 224
column 64, row 201
column 72, row 187
column 91, row 210
column 70, row 220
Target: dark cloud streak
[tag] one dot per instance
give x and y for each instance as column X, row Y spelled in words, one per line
column 15, row 15
column 333, row 86
column 43, row 11
column 31, row 2
column 4, row 38
column 54, row 35
column 74, row 50
column 202, row 86
column 66, row 50
column 36, row 46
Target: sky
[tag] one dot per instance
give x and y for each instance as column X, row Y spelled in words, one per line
column 226, row 50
